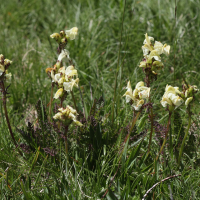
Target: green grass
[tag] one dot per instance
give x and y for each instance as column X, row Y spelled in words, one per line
column 99, row 166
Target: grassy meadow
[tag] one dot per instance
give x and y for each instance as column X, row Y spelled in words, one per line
column 108, row 157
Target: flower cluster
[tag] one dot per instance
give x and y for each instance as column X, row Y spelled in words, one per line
column 62, row 37
column 64, row 78
column 189, row 92
column 171, row 97
column 138, row 96
column 174, row 98
column 4, row 64
column 67, row 116
column 152, row 54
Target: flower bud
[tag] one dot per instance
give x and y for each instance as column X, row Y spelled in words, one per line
column 56, row 36
column 188, row 100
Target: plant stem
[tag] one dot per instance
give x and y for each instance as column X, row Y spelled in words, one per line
column 66, row 142
column 134, row 121
column 186, row 134
column 50, row 104
column 151, row 133
column 6, row 113
column 166, row 135
column 132, row 126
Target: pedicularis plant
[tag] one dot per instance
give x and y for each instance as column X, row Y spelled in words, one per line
column 91, row 134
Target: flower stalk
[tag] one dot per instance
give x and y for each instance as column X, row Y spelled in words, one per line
column 51, row 99
column 6, row 113
column 186, row 134
column 166, row 135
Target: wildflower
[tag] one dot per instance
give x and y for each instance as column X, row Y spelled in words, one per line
column 67, row 115
column 71, row 34
column 59, row 93
column 152, row 55
column 70, row 71
column 55, row 77
column 160, row 48
column 171, row 97
column 137, row 96
column 147, row 45
column 64, row 54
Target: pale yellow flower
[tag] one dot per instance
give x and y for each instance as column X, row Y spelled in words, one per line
column 171, row 97
column 59, row 93
column 70, row 72
column 55, row 77
column 64, row 54
column 68, row 86
column 72, row 33
column 147, row 45
column 138, row 104
column 160, row 48
column 137, row 96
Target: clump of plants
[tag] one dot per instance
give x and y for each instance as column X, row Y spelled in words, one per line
column 64, row 133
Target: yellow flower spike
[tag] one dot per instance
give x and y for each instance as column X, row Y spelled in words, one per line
column 72, row 33
column 59, row 93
